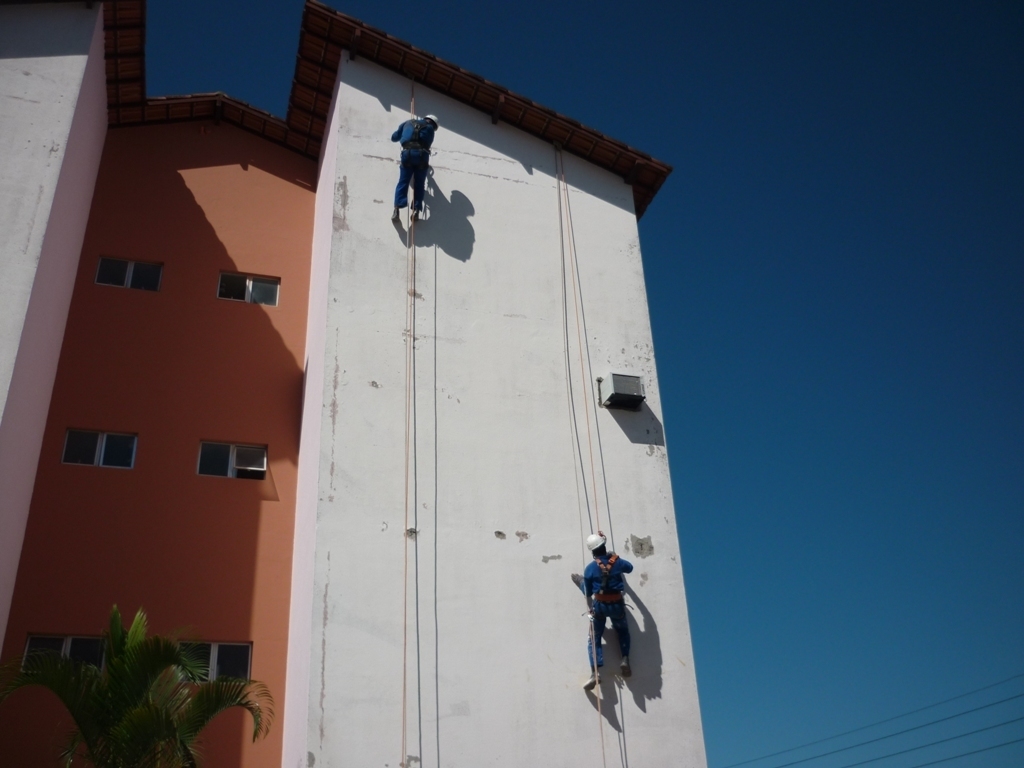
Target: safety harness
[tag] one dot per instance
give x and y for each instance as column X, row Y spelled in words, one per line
column 414, row 142
column 603, row 595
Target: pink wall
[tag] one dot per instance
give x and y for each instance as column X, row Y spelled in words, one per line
column 209, row 557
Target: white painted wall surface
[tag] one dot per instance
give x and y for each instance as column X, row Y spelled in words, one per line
column 296, row 695
column 455, row 645
column 53, row 122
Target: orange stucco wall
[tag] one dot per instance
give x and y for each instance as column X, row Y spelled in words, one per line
column 205, row 555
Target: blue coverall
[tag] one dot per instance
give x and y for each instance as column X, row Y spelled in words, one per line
column 415, row 161
column 616, row 611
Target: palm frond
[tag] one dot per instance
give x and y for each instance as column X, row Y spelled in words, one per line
column 212, row 698
column 116, row 638
column 146, row 708
column 154, row 661
column 146, row 736
column 74, row 683
column 137, row 631
column 71, row 748
column 195, row 661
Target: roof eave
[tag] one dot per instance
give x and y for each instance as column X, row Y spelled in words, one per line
column 326, row 32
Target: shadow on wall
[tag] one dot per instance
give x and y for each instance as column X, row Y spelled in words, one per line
column 446, row 224
column 644, row 655
column 609, row 694
column 642, row 427
column 645, row 658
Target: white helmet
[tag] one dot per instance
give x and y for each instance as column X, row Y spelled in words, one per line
column 595, row 540
column 433, row 119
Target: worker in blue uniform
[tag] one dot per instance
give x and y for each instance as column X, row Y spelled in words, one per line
column 416, row 136
column 602, row 584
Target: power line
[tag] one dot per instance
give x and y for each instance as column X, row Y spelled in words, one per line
column 933, row 743
column 872, row 725
column 965, row 754
column 900, row 733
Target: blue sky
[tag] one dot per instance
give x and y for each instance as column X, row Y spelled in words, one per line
column 836, row 279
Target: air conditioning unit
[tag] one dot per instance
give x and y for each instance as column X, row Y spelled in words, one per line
column 617, row 390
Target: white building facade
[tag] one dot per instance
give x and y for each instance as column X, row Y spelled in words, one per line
column 463, row 457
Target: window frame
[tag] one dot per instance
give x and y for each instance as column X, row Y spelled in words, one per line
column 63, row 646
column 232, row 469
column 101, row 443
column 128, row 274
column 211, row 670
column 65, row 649
column 248, row 288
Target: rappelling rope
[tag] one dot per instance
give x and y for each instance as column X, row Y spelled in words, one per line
column 410, row 339
column 574, row 437
column 589, row 377
column 597, row 688
column 562, row 221
column 579, row 335
column 577, row 449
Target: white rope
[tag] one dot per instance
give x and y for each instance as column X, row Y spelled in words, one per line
column 562, row 221
column 410, row 340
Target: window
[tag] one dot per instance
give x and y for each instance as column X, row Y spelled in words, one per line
column 129, row 274
column 255, row 290
column 248, row 462
column 223, row 659
column 88, row 650
column 102, row 448
column 40, row 643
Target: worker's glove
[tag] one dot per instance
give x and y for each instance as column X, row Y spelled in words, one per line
column 577, row 579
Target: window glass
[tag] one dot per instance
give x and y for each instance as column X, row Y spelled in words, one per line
column 200, row 653
column 264, row 291
column 118, row 451
column 88, row 650
column 146, row 277
column 233, row 660
column 40, row 643
column 253, row 466
column 80, row 447
column 247, row 457
column 112, row 272
column 232, row 287
column 214, row 459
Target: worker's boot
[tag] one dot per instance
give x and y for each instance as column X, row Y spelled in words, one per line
column 395, row 214
column 592, row 682
column 415, row 214
column 624, row 668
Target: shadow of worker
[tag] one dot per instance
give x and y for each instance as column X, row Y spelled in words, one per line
column 609, row 689
column 644, row 654
column 447, row 222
